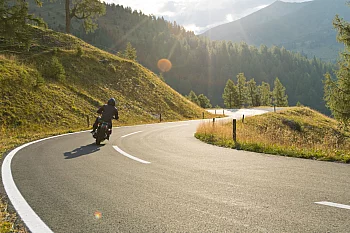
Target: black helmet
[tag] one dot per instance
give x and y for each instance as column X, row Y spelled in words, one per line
column 111, row 101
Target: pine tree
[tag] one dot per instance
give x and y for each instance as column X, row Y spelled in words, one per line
column 253, row 93
column 265, row 94
column 130, row 52
column 241, row 89
column 230, row 95
column 337, row 92
column 193, row 97
column 14, row 18
column 204, row 102
column 279, row 94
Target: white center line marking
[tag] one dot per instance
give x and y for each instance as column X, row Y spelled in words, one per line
column 130, row 156
column 333, row 204
column 131, row 134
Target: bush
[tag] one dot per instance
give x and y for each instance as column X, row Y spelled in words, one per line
column 39, row 81
column 55, row 70
column 80, row 51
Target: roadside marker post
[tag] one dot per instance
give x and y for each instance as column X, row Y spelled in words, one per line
column 234, row 128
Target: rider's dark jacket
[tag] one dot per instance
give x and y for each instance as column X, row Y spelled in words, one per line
column 108, row 111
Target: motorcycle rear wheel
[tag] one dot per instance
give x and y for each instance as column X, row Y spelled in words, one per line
column 99, row 137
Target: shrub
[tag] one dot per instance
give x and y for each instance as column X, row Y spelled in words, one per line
column 80, row 51
column 39, row 81
column 55, row 70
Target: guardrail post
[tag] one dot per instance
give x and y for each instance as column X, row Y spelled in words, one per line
column 234, row 129
column 88, row 120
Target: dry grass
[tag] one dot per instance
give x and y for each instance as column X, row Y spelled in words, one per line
column 297, row 132
column 9, row 221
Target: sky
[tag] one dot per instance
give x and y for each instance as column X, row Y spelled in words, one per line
column 198, row 15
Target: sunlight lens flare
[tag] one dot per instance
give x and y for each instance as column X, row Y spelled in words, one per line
column 164, row 65
column 98, row 215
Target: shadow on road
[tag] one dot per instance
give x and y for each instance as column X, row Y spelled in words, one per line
column 83, row 150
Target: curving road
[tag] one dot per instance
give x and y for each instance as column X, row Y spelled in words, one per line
column 159, row 178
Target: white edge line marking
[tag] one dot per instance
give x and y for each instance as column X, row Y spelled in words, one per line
column 27, row 214
column 130, row 156
column 333, row 204
column 131, row 134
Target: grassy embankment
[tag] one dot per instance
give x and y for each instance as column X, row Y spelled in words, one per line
column 295, row 132
column 52, row 88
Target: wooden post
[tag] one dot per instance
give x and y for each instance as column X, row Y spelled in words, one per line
column 215, row 111
column 234, row 129
column 274, row 108
column 203, row 115
column 160, row 117
column 88, row 120
column 213, row 121
column 243, row 119
column 223, row 112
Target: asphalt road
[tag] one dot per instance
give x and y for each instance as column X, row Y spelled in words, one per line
column 187, row 186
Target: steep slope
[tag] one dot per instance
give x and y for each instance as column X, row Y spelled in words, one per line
column 302, row 27
column 62, row 80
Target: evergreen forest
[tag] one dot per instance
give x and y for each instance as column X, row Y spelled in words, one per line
column 198, row 63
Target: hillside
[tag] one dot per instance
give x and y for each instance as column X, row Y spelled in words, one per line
column 199, row 64
column 296, row 132
column 54, row 88
column 301, row 27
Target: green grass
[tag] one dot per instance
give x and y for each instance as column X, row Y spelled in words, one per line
column 294, row 132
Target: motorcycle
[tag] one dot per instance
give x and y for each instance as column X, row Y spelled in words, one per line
column 102, row 133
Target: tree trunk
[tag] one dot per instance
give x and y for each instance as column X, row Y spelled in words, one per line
column 67, row 17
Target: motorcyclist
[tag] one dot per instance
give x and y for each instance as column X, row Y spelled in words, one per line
column 108, row 111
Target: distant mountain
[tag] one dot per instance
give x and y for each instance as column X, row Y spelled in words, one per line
column 302, row 27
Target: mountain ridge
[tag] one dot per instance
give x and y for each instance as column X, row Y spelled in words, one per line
column 307, row 28
column 262, row 16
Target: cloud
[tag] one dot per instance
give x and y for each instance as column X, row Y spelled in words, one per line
column 169, row 7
